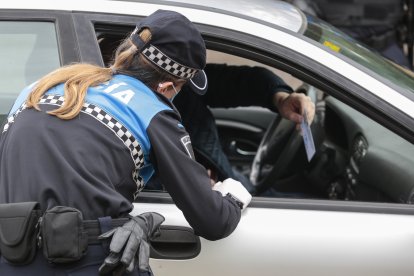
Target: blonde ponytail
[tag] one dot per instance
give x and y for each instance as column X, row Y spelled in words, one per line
column 76, row 78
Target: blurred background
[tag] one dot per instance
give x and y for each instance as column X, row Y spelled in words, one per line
column 386, row 26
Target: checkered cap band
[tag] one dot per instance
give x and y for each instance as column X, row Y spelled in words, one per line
column 107, row 120
column 164, row 62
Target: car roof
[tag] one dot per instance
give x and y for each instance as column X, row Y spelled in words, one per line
column 267, row 12
column 275, row 12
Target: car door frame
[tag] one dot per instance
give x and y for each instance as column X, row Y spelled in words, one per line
column 212, row 253
column 284, row 59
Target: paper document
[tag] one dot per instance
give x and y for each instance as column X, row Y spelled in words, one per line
column 307, row 137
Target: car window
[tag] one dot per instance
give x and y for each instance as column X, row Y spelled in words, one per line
column 342, row 43
column 28, row 50
column 357, row 159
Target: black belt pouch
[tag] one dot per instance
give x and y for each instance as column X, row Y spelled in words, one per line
column 18, row 231
column 64, row 238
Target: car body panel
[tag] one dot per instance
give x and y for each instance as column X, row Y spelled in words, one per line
column 297, row 242
column 280, row 14
column 267, row 11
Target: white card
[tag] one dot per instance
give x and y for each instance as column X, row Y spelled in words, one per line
column 307, row 137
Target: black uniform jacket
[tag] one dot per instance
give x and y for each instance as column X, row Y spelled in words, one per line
column 99, row 161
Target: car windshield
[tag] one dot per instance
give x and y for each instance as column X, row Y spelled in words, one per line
column 340, row 42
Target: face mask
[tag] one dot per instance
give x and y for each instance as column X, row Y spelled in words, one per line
column 176, row 92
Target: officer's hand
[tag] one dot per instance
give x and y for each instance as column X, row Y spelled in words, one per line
column 213, row 176
column 129, row 244
column 235, row 190
column 292, row 106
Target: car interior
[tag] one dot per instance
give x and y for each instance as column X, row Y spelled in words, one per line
column 356, row 158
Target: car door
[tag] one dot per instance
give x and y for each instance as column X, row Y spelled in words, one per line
column 278, row 236
column 33, row 43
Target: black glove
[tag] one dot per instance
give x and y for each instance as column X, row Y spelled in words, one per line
column 129, row 244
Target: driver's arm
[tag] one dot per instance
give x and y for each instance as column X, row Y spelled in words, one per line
column 232, row 86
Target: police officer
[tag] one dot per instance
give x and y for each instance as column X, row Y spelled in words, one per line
column 88, row 139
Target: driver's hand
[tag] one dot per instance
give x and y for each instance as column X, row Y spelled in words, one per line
column 292, row 106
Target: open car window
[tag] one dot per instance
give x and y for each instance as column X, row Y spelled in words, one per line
column 357, row 159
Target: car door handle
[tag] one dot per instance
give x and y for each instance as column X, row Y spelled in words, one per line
column 235, row 148
column 175, row 242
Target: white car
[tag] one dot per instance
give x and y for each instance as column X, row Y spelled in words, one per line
column 358, row 219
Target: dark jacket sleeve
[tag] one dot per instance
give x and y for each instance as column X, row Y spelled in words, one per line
column 232, row 86
column 211, row 215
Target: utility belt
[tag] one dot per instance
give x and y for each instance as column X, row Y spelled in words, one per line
column 60, row 232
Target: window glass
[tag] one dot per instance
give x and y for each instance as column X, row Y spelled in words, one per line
column 28, row 50
column 340, row 42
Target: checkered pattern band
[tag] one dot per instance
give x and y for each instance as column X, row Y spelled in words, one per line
column 11, row 118
column 164, row 62
column 107, row 120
